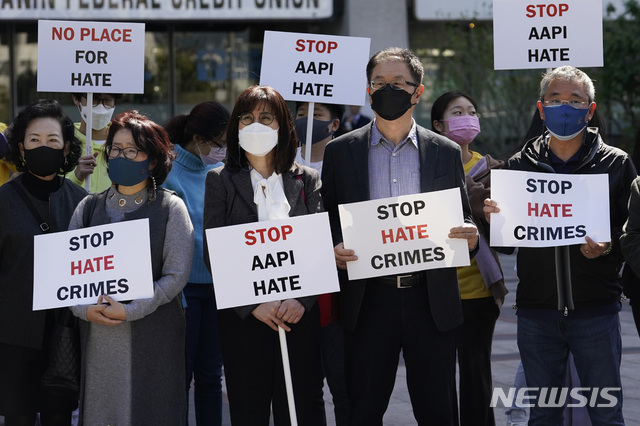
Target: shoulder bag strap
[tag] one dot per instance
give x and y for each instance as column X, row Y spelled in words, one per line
column 44, row 226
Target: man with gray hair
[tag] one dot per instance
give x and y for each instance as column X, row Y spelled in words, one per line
column 568, row 297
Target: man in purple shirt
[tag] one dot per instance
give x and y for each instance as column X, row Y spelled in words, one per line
column 418, row 313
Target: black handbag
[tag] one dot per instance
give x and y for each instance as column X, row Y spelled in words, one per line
column 62, row 375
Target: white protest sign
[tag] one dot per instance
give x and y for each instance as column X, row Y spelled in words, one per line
column 403, row 234
column 315, row 67
column 272, row 260
column 549, row 34
column 548, row 209
column 96, row 57
column 75, row 267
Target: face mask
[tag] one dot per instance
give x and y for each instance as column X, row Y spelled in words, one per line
column 123, row 171
column 564, row 121
column 43, row 161
column 391, row 104
column 100, row 116
column 320, row 130
column 463, row 128
column 215, row 155
column 258, row 139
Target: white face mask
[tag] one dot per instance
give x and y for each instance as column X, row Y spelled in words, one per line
column 258, row 139
column 100, row 116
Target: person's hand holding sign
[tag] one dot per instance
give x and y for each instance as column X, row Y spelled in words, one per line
column 592, row 249
column 106, row 312
column 466, row 231
column 343, row 256
column 268, row 314
column 490, row 206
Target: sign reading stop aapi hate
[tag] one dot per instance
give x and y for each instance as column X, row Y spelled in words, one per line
column 76, row 267
column 91, row 57
column 548, row 209
column 549, row 34
column 315, row 67
column 261, row 262
column 403, row 234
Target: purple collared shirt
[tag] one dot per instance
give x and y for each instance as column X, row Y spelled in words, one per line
column 393, row 170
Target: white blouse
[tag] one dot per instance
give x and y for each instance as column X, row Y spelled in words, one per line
column 268, row 194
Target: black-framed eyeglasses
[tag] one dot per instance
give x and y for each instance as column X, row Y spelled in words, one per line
column 397, row 84
column 248, row 118
column 217, row 145
column 107, row 102
column 130, row 153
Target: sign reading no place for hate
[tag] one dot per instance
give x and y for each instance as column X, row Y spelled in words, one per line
column 91, row 57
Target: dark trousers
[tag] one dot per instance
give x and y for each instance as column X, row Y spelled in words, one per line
column 204, row 359
column 473, row 340
column 254, row 373
column 333, row 367
column 393, row 320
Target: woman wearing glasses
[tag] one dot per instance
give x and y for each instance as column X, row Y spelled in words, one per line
column 103, row 106
column 200, row 146
column 133, row 352
column 261, row 181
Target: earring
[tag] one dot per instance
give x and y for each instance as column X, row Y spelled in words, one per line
column 65, row 160
column 152, row 191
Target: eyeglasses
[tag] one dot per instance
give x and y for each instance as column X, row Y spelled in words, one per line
column 130, row 153
column 398, row 84
column 571, row 102
column 218, row 145
column 107, row 102
column 248, row 118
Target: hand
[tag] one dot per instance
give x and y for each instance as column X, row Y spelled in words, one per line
column 591, row 249
column 268, row 314
column 85, row 166
column 95, row 314
column 114, row 310
column 490, row 206
column 291, row 311
column 466, row 231
column 343, row 256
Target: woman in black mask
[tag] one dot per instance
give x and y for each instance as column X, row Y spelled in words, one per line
column 41, row 143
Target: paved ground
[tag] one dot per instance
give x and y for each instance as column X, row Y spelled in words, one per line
column 505, row 362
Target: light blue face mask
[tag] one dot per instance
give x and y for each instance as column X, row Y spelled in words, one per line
column 564, row 121
column 123, row 171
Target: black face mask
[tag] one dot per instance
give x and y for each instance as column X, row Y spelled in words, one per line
column 391, row 104
column 43, row 161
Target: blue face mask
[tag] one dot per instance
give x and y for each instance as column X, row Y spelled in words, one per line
column 320, row 130
column 564, row 121
column 127, row 172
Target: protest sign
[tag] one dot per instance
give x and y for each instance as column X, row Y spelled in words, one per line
column 529, row 35
column 95, row 57
column 272, row 260
column 403, row 234
column 315, row 67
column 548, row 209
column 76, row 267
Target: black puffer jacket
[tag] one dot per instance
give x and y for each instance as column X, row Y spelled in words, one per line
column 561, row 277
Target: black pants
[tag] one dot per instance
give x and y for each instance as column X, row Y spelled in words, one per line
column 473, row 339
column 254, row 374
column 393, row 320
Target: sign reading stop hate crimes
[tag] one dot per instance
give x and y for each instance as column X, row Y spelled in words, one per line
column 547, row 34
column 403, row 234
column 548, row 209
column 261, row 262
column 76, row 267
column 92, row 57
column 315, row 67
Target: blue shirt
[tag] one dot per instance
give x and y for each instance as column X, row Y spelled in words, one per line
column 393, row 170
column 186, row 178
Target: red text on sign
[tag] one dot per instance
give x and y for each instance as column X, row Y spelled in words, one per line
column 272, row 234
column 96, row 264
column 550, row 210
column 405, row 233
column 319, row 46
column 114, row 34
column 549, row 10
